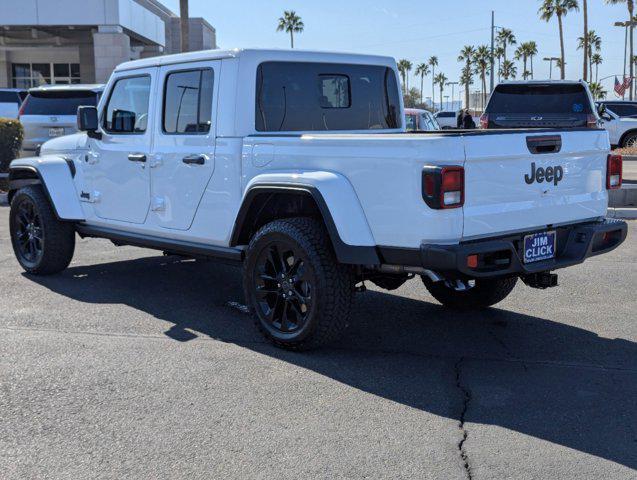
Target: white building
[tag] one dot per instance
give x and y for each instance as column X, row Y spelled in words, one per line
column 81, row 41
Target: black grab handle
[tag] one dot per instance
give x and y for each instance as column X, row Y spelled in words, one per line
column 544, row 144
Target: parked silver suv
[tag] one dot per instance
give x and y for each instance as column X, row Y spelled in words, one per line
column 51, row 111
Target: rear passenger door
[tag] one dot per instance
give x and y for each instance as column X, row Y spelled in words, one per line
column 184, row 146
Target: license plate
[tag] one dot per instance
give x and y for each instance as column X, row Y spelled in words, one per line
column 56, row 131
column 539, row 246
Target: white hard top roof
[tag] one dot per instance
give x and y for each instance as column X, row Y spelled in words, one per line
column 204, row 55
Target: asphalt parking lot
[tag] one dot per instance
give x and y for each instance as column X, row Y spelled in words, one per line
column 134, row 365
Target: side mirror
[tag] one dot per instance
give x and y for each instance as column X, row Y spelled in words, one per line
column 87, row 121
column 123, row 121
column 601, row 109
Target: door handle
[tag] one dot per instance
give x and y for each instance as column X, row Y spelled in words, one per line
column 194, row 159
column 137, row 157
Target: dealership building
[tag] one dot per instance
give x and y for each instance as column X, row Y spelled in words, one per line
column 81, row 41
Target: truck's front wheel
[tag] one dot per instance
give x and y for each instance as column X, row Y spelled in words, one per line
column 300, row 294
column 482, row 294
column 41, row 243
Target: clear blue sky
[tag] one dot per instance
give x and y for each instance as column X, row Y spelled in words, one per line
column 415, row 29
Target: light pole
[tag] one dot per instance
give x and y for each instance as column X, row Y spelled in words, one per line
column 551, row 60
column 453, row 91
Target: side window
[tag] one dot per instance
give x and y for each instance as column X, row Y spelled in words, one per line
column 188, row 102
column 307, row 96
column 127, row 107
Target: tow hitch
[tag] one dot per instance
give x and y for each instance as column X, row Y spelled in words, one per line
column 541, row 280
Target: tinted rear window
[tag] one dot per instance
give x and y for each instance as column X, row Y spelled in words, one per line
column 9, row 97
column 57, row 103
column 294, row 96
column 446, row 115
column 539, row 99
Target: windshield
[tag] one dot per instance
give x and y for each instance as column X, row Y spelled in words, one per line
column 57, row 103
column 539, row 99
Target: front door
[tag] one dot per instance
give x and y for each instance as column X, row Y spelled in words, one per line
column 118, row 169
column 184, row 144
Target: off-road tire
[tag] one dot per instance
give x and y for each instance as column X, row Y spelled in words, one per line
column 485, row 293
column 332, row 289
column 58, row 238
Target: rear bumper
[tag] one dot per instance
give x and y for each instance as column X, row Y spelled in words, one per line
column 502, row 256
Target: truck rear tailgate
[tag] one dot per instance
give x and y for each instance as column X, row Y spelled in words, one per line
column 527, row 180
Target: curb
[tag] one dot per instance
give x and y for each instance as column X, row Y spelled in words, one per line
column 624, row 213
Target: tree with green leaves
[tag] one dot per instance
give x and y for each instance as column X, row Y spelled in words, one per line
column 422, row 69
column 558, row 9
column 596, row 59
column 466, row 79
column 525, row 52
column 498, row 52
column 482, row 62
column 433, row 63
column 531, row 52
column 290, row 23
column 505, row 37
column 509, row 70
column 592, row 42
column 466, row 55
column 404, row 67
column 441, row 81
column 597, row 91
column 630, row 5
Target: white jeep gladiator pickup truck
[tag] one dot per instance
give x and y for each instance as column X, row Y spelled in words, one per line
column 297, row 165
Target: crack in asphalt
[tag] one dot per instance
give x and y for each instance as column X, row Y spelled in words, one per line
column 466, row 398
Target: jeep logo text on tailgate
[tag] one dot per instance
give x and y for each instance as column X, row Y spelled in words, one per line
column 550, row 174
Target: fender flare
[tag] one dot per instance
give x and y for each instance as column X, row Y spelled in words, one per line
column 55, row 174
column 348, row 230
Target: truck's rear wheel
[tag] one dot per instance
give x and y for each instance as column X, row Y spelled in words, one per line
column 482, row 294
column 42, row 244
column 300, row 294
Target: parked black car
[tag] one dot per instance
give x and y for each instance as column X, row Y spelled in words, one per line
column 540, row 104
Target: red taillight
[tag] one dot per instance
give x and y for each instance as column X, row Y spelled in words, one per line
column 452, row 187
column 614, row 172
column 591, row 121
column 484, row 121
column 24, row 104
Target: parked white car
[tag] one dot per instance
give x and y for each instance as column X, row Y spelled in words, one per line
column 447, row 119
column 622, row 128
column 420, row 120
column 297, row 165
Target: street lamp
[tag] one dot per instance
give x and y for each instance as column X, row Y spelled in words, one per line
column 453, row 87
column 551, row 60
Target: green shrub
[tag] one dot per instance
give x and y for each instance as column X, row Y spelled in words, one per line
column 11, row 135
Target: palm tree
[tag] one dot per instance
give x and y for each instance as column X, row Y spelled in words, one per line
column 466, row 79
column 466, row 55
column 498, row 52
column 404, row 67
column 505, row 37
column 521, row 53
column 482, row 61
column 184, row 25
column 597, row 91
column 422, row 69
column 441, row 80
column 509, row 70
column 290, row 23
column 630, row 5
column 596, row 59
column 531, row 52
column 594, row 42
column 433, row 63
column 558, row 8
column 585, row 37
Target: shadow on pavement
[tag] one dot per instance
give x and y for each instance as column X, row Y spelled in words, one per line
column 535, row 376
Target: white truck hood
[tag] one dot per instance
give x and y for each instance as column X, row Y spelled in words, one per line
column 66, row 144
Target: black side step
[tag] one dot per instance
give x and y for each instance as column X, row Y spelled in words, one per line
column 179, row 247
